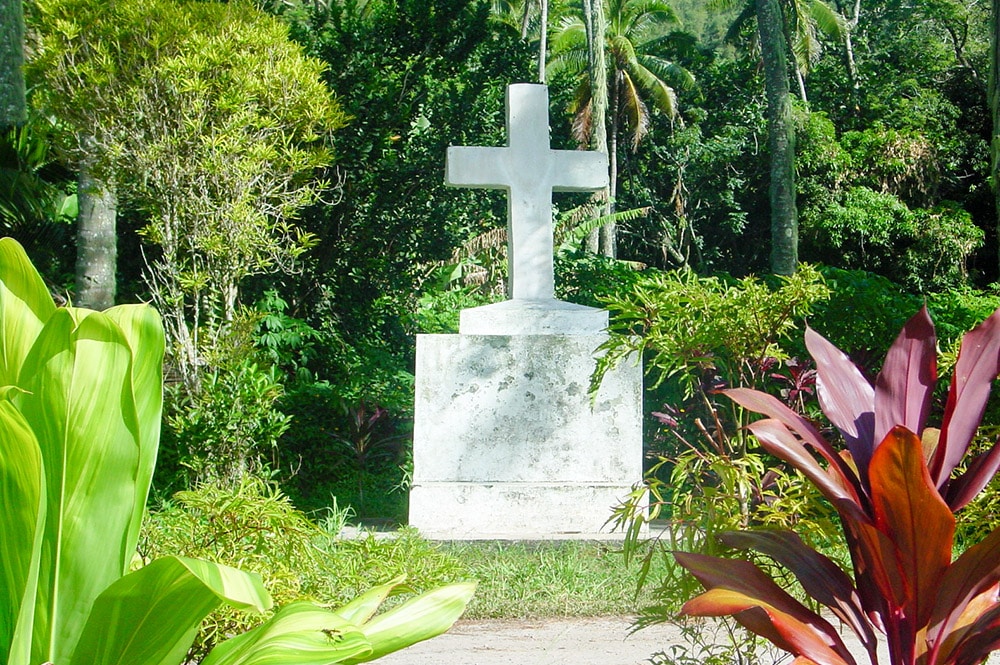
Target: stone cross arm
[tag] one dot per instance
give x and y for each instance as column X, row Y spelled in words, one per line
column 530, row 171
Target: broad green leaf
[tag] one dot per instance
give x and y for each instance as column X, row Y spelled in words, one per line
column 421, row 618
column 22, row 518
column 25, row 306
column 79, row 403
column 911, row 513
column 846, row 397
column 362, row 608
column 905, row 385
column 299, row 633
column 143, row 329
column 151, row 616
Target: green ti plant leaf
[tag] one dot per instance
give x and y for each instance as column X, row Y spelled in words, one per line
column 896, row 490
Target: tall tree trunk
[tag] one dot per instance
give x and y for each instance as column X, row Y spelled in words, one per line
column 12, row 106
column 609, row 240
column 852, row 67
column 596, row 25
column 781, row 139
column 543, row 38
column 994, row 97
column 96, row 242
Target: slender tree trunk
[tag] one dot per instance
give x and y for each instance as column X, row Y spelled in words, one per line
column 96, row 242
column 851, row 23
column 12, row 105
column 802, row 86
column 594, row 20
column 609, row 240
column 994, row 97
column 543, row 38
column 781, row 139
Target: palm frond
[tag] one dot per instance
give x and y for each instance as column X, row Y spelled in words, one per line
column 829, row 21
column 673, row 74
column 636, row 113
column 573, row 227
column 663, row 96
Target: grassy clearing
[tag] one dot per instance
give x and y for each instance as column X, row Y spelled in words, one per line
column 537, row 580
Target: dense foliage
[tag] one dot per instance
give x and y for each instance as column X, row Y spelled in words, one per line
column 291, row 301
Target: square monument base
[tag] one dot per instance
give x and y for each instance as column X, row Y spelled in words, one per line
column 508, row 443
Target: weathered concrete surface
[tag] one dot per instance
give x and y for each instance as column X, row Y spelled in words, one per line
column 507, row 442
column 533, row 317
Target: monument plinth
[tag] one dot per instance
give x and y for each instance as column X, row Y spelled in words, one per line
column 507, row 442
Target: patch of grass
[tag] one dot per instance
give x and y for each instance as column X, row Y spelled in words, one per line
column 537, row 580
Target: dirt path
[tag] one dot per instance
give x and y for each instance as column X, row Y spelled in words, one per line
column 586, row 641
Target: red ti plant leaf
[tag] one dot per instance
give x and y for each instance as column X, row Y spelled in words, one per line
column 820, row 577
column 737, row 587
column 965, row 487
column 904, row 387
column 978, row 364
column 846, row 397
column 776, row 439
column 772, row 407
column 975, row 572
column 909, row 510
column 982, row 637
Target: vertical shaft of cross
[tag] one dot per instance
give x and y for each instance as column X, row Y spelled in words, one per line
column 529, row 170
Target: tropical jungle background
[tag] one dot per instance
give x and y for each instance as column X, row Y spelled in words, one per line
column 270, row 176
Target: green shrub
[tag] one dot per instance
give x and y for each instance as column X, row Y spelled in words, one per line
column 230, row 428
column 356, row 453
column 254, row 526
column 698, row 335
column 924, row 249
column 861, row 313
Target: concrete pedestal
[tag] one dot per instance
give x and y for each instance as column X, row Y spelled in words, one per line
column 508, row 444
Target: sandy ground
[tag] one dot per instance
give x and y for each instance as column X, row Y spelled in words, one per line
column 589, row 641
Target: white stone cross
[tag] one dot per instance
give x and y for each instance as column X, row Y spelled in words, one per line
column 530, row 171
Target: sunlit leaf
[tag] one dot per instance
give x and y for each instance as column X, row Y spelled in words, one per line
column 904, row 387
column 788, row 632
column 25, row 306
column 909, row 510
column 91, row 452
column 975, row 571
column 421, row 618
column 22, row 517
column 847, row 398
column 820, row 577
column 151, row 616
column 142, row 328
column 363, row 607
column 978, row 364
column 297, row 633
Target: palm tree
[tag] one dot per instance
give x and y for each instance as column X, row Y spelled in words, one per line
column 12, row 106
column 804, row 20
column 531, row 19
column 638, row 76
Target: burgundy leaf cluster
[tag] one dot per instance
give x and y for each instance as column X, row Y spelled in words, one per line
column 896, row 490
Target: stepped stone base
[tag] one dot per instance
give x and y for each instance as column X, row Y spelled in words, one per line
column 508, row 444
